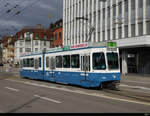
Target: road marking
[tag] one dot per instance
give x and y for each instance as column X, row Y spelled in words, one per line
column 12, row 89
column 48, row 99
column 135, row 87
column 79, row 92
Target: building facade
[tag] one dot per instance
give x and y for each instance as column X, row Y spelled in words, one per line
column 125, row 21
column 58, row 34
column 31, row 39
column 8, row 49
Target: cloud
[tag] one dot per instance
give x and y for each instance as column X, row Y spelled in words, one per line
column 7, row 23
column 46, row 6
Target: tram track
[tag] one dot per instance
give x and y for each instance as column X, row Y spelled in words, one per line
column 130, row 94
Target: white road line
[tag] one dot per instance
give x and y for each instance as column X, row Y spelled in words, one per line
column 12, row 89
column 48, row 99
column 135, row 87
column 80, row 92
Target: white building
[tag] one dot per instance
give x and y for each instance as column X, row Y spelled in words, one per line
column 125, row 21
column 30, row 40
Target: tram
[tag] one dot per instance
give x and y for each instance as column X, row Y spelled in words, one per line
column 89, row 65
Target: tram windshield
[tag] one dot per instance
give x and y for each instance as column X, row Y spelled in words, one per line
column 113, row 63
column 99, row 61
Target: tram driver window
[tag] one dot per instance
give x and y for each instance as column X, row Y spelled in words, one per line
column 66, row 61
column 75, row 62
column 99, row 61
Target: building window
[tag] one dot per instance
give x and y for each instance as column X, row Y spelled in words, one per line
column 21, row 50
column 44, row 43
column 103, row 13
column 140, row 29
column 126, row 5
column 21, row 37
column 148, row 27
column 60, row 35
column 148, row 2
column 120, row 7
column 120, row 32
column 133, row 30
column 108, row 34
column 140, row 3
column 21, row 43
column 126, row 31
column 114, row 33
column 36, row 49
column 28, row 50
column 36, row 43
column 55, row 36
column 103, row 35
column 133, row 4
column 114, row 10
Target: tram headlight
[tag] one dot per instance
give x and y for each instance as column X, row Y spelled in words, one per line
column 114, row 76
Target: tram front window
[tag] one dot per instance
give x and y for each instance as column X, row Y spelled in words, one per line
column 113, row 63
column 99, row 61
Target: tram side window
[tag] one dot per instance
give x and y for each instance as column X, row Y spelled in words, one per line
column 99, row 62
column 66, row 61
column 75, row 61
column 40, row 65
column 32, row 62
column 36, row 64
column 58, row 61
column 47, row 62
column 24, row 62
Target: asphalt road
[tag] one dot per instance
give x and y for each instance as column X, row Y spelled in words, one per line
column 30, row 96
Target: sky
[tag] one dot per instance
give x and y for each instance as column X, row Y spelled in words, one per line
column 33, row 12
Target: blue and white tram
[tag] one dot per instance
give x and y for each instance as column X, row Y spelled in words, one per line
column 92, row 65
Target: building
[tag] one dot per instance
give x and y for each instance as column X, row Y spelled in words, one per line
column 58, row 34
column 8, row 49
column 31, row 39
column 56, row 31
column 125, row 21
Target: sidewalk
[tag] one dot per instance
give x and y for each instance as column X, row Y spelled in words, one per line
column 136, row 77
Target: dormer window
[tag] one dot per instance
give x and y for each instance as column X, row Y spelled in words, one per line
column 37, row 37
column 21, row 37
column 45, row 37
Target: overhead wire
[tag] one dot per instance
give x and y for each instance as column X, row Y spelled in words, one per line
column 20, row 11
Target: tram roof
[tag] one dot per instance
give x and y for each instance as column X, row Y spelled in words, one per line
column 76, row 47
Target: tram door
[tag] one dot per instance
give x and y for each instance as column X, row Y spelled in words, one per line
column 85, row 65
column 52, row 68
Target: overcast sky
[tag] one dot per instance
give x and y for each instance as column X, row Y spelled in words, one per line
column 33, row 12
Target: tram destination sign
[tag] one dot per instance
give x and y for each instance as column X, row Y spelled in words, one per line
column 112, row 46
